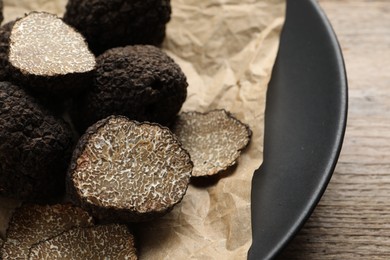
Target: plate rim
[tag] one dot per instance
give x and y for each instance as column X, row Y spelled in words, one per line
column 335, row 152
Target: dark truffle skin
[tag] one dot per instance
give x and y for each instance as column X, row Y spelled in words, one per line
column 140, row 82
column 5, row 32
column 35, row 147
column 115, row 23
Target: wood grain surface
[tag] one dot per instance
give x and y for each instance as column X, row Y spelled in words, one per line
column 352, row 220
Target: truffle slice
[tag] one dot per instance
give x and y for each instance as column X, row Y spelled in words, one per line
column 49, row 56
column 32, row 224
column 99, row 242
column 35, row 147
column 109, row 24
column 214, row 139
column 127, row 171
column 140, row 82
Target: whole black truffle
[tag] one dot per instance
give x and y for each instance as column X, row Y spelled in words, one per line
column 34, row 147
column 115, row 23
column 140, row 82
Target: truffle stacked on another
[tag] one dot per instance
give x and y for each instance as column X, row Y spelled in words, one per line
column 48, row 56
column 140, row 82
column 98, row 242
column 127, row 171
column 116, row 23
column 35, row 147
column 31, row 224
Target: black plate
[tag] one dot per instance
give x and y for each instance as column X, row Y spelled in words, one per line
column 305, row 122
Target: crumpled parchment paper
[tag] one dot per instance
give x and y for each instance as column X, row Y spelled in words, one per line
column 227, row 49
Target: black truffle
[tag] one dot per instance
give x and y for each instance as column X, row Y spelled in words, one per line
column 31, row 224
column 127, row 171
column 140, row 82
column 98, row 242
column 5, row 32
column 214, row 139
column 48, row 56
column 35, row 147
column 116, row 23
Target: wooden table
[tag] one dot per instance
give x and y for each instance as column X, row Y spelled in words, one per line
column 352, row 220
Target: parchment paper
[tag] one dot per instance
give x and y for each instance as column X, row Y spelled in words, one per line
column 227, row 49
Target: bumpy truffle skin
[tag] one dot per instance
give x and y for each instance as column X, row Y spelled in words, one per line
column 116, row 23
column 35, row 147
column 31, row 224
column 140, row 179
column 49, row 57
column 140, row 82
column 5, row 32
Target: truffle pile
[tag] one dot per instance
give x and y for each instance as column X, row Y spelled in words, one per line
column 102, row 134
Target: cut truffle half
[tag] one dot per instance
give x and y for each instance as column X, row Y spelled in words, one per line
column 31, row 224
column 35, row 147
column 213, row 139
column 99, row 242
column 48, row 56
column 109, row 24
column 140, row 82
column 127, row 171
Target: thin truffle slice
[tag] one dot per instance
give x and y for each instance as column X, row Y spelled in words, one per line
column 35, row 147
column 140, row 82
column 32, row 224
column 48, row 56
column 99, row 242
column 127, row 171
column 109, row 24
column 214, row 139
